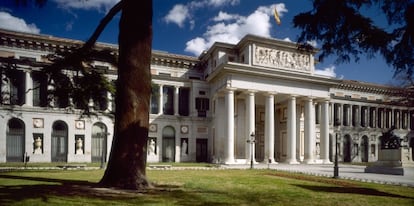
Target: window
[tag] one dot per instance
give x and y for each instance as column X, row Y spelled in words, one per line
column 100, row 100
column 372, row 114
column 39, row 89
column 202, row 106
column 168, row 100
column 16, row 92
column 184, row 100
column 363, row 116
column 154, row 99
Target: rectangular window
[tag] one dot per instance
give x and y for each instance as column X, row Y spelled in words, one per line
column 363, row 116
column 100, row 102
column 168, row 100
column 404, row 117
column 202, row 106
column 184, row 101
column 372, row 115
column 39, row 89
column 345, row 115
column 154, row 99
column 380, row 117
column 17, row 87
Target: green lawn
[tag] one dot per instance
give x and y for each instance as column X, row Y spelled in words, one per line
column 197, row 187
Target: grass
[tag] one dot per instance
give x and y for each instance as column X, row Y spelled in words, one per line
column 197, row 187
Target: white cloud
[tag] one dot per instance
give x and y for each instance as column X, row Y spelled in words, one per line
column 328, row 71
column 196, row 45
column 218, row 3
column 230, row 28
column 178, row 15
column 7, row 21
column 181, row 13
column 223, row 16
column 100, row 5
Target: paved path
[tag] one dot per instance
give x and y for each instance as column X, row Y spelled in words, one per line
column 351, row 172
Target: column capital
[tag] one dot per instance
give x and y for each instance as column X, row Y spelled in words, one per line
column 310, row 99
column 322, row 100
column 250, row 92
column 270, row 93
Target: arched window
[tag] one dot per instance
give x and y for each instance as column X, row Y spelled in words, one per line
column 99, row 138
column 59, row 144
column 168, row 144
column 15, row 140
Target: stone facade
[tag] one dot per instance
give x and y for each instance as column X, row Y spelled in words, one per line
column 206, row 109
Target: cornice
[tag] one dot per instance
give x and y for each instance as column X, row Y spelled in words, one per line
column 237, row 68
column 359, row 86
column 43, row 42
column 173, row 60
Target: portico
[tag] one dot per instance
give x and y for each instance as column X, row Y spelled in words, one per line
column 273, row 118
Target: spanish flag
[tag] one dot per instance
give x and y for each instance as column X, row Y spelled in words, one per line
column 277, row 17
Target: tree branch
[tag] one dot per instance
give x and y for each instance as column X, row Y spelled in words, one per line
column 108, row 17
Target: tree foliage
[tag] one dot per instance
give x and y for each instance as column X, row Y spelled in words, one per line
column 344, row 29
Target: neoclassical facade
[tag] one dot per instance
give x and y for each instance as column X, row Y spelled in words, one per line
column 259, row 98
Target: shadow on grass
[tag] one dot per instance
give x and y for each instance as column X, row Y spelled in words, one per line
column 50, row 190
column 351, row 190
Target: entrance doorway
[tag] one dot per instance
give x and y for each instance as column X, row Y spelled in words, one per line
column 168, row 144
column 364, row 149
column 59, row 145
column 347, row 148
column 201, row 150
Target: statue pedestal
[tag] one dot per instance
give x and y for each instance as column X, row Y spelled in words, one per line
column 390, row 161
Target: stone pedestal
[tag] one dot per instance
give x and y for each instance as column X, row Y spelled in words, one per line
column 391, row 161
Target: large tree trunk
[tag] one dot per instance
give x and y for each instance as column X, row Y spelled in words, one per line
column 127, row 162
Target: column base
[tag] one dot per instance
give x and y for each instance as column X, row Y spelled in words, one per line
column 270, row 161
column 230, row 162
column 326, row 162
column 310, row 161
column 292, row 162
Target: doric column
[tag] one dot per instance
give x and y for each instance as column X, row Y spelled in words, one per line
column 176, row 94
column 229, row 107
column 291, row 131
column 324, row 131
column 310, row 141
column 160, row 99
column 28, row 89
column 250, row 124
column 270, row 128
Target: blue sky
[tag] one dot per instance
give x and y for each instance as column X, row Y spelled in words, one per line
column 188, row 27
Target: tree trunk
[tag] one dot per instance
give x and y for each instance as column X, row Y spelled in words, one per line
column 127, row 162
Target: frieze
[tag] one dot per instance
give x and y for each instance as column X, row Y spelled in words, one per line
column 270, row 57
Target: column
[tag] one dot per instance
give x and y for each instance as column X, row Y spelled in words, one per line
column 270, row 128
column 229, row 130
column 310, row 141
column 291, row 131
column 160, row 99
column 176, row 96
column 28, row 89
column 250, row 124
column 324, row 131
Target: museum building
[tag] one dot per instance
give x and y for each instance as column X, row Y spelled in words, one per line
column 259, row 98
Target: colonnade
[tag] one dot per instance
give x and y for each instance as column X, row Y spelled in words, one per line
column 269, row 128
column 372, row 116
